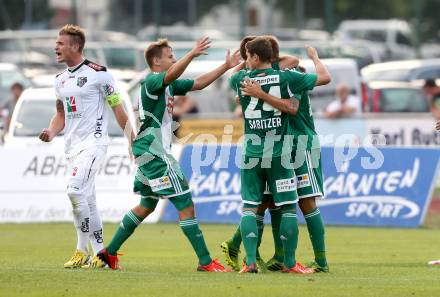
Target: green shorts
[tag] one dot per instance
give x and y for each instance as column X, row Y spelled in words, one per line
column 281, row 181
column 309, row 174
column 160, row 177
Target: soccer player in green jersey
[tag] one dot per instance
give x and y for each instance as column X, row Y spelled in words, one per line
column 307, row 164
column 266, row 154
column 231, row 247
column 159, row 175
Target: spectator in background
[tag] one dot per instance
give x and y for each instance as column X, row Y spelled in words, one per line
column 345, row 105
column 183, row 105
column 8, row 107
column 432, row 90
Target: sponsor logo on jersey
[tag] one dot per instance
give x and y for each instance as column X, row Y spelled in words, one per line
column 266, row 80
column 98, row 128
column 160, row 183
column 108, row 90
column 81, row 81
column 303, row 181
column 71, row 104
column 286, row 185
column 75, row 171
column 170, row 104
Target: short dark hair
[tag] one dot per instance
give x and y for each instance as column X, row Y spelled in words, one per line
column 17, row 85
column 430, row 83
column 275, row 47
column 243, row 45
column 154, row 50
column 76, row 34
column 261, row 47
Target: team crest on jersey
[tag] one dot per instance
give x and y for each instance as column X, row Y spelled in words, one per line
column 81, row 81
column 108, row 89
column 170, row 104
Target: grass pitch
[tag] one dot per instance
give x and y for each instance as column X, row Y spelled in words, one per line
column 158, row 261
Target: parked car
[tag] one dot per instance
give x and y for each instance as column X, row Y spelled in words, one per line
column 394, row 36
column 363, row 52
column 412, row 70
column 386, row 96
column 34, row 110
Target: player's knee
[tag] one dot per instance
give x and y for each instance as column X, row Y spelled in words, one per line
column 250, row 207
column 288, row 208
column 307, row 205
column 183, row 202
column 78, row 201
column 142, row 211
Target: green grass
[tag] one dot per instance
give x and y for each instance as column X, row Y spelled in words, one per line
column 159, row 262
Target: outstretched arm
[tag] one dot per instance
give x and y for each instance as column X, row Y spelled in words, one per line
column 206, row 79
column 323, row 76
column 176, row 70
column 56, row 124
column 251, row 88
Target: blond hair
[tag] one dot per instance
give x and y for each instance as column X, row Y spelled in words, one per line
column 76, row 34
column 154, row 50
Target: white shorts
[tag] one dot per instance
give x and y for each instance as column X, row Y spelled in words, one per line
column 82, row 169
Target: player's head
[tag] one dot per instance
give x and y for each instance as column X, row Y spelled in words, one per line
column 430, row 87
column 70, row 43
column 243, row 42
column 342, row 92
column 159, row 55
column 275, row 47
column 258, row 51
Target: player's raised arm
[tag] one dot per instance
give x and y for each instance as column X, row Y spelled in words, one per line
column 253, row 89
column 206, row 79
column 56, row 124
column 176, row 70
column 323, row 76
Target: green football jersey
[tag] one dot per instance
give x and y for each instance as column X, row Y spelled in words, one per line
column 155, row 113
column 265, row 127
column 304, row 125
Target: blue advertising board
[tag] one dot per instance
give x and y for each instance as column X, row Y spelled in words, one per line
column 371, row 187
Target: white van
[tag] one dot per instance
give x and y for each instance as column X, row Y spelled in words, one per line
column 34, row 111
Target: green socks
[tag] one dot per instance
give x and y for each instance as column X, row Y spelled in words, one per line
column 249, row 231
column 289, row 236
column 315, row 226
column 191, row 229
column 275, row 218
column 125, row 229
column 236, row 238
column 260, row 228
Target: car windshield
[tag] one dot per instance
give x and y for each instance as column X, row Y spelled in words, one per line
column 372, row 35
column 35, row 115
column 123, row 58
column 403, row 100
column 388, row 75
